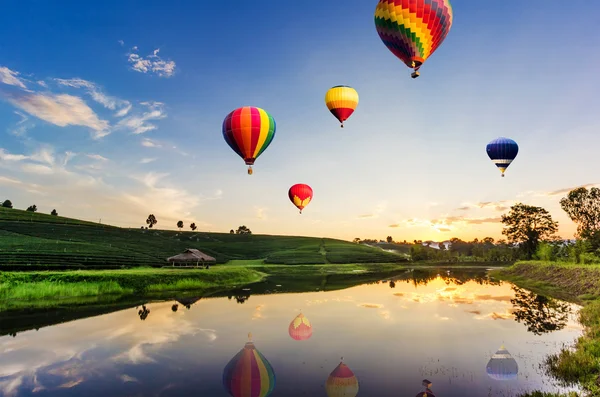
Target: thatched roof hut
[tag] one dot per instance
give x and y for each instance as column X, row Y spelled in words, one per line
column 191, row 257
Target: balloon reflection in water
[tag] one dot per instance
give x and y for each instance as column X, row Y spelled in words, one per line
column 502, row 366
column 248, row 373
column 300, row 328
column 342, row 382
column 427, row 392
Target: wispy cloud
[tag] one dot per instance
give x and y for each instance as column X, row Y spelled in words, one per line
column 147, row 160
column 260, row 212
column 9, row 77
column 379, row 209
column 121, row 42
column 446, row 224
column 138, row 124
column 97, row 157
column 151, row 63
column 61, row 110
column 6, row 156
column 109, row 102
column 494, row 205
column 146, row 142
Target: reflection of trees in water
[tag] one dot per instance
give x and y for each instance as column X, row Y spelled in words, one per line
column 175, row 307
column 539, row 313
column 392, row 284
column 143, row 312
column 454, row 276
column 239, row 298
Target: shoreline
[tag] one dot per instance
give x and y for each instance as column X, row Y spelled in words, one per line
column 574, row 283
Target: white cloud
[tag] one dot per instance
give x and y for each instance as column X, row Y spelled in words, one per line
column 43, row 155
column 61, row 110
column 94, row 91
column 379, row 209
column 138, row 124
column 9, row 77
column 37, row 169
column 68, row 156
column 146, row 142
column 42, row 83
column 147, row 160
column 9, row 181
column 5, row 156
column 151, row 64
column 260, row 212
column 121, row 42
column 97, row 157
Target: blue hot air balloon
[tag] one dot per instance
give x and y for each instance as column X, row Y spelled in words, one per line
column 502, row 151
column 502, row 366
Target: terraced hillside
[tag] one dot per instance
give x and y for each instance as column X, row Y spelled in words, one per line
column 32, row 241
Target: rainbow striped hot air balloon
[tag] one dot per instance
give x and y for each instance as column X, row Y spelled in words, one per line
column 413, row 29
column 502, row 151
column 300, row 328
column 249, row 374
column 249, row 131
column 341, row 382
column 341, row 101
column 502, row 366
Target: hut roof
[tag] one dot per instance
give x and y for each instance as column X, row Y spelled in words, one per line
column 192, row 255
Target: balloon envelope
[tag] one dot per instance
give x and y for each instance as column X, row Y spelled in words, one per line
column 413, row 29
column 502, row 366
column 249, row 374
column 300, row 195
column 249, row 131
column 300, row 328
column 341, row 382
column 502, row 151
column 341, row 101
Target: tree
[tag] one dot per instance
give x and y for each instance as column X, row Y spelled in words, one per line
column 54, row 213
column 151, row 221
column 193, row 226
column 389, row 239
column 539, row 313
column 180, row 225
column 32, row 208
column 7, row 204
column 243, row 230
column 231, row 231
column 356, row 240
column 528, row 225
column 583, row 207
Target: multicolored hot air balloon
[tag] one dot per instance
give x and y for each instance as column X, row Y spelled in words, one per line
column 300, row 328
column 300, row 195
column 502, row 366
column 502, row 151
column 413, row 29
column 249, row 374
column 249, row 131
column 341, row 382
column 341, row 101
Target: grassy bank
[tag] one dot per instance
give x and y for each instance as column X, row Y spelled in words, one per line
column 575, row 283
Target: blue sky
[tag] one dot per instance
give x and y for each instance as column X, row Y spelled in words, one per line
column 113, row 110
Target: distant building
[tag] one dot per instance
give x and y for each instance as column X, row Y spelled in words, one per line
column 192, row 257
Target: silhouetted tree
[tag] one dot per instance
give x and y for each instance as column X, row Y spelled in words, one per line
column 54, row 213
column 231, row 231
column 356, row 240
column 243, row 230
column 174, row 307
column 389, row 239
column 193, row 226
column 583, row 207
column 7, row 204
column 143, row 313
column 151, row 221
column 392, row 284
column 180, row 225
column 528, row 225
column 32, row 208
column 539, row 313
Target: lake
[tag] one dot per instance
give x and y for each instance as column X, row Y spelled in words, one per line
column 439, row 325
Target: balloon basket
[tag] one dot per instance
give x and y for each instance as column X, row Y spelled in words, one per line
column 414, row 75
column 250, row 171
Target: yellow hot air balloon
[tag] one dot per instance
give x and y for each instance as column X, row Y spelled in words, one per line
column 341, row 101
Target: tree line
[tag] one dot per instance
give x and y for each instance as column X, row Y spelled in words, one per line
column 530, row 234
column 151, row 221
column 31, row 208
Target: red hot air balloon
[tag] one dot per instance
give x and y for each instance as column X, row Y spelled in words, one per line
column 341, row 382
column 300, row 328
column 300, row 195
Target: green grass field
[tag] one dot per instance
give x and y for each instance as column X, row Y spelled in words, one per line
column 32, row 241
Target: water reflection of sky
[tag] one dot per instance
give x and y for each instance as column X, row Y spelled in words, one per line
column 391, row 338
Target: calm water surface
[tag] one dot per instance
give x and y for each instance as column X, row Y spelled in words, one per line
column 391, row 335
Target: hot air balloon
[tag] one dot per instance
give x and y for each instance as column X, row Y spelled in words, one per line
column 249, row 131
column 427, row 392
column 502, row 151
column 300, row 328
column 341, row 101
column 300, row 195
column 249, row 374
column 413, row 29
column 502, row 366
column 341, row 382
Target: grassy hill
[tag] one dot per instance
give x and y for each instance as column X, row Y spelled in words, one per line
column 32, row 241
